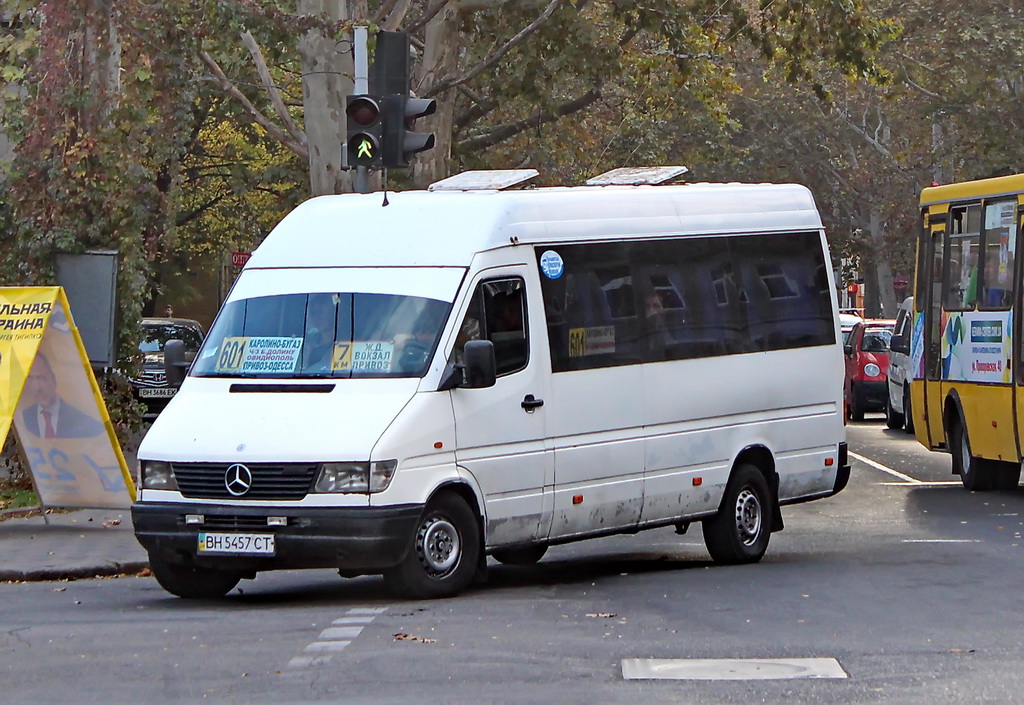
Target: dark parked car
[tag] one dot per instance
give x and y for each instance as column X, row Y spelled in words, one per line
column 151, row 386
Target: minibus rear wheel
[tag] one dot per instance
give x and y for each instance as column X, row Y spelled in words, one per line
column 444, row 552
column 191, row 582
column 739, row 532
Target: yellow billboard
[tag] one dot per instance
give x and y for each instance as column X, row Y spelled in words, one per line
column 49, row 394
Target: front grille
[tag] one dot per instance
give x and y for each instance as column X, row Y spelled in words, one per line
column 269, row 481
column 214, row 521
column 151, row 378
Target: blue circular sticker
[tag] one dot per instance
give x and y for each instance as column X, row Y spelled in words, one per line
column 551, row 264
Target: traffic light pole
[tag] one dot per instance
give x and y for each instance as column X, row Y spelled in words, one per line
column 361, row 182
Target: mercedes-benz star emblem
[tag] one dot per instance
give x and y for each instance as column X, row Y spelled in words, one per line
column 238, row 479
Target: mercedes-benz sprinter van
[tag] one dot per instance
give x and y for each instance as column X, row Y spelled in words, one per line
column 407, row 385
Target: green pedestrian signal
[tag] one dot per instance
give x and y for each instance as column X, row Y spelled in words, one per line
column 365, row 126
column 365, row 149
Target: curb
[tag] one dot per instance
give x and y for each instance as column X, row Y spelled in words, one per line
column 19, row 512
column 52, row 574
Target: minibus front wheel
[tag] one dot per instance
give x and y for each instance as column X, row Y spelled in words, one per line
column 444, row 553
column 739, row 532
column 191, row 582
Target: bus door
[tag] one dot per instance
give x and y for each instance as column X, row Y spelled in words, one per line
column 991, row 334
column 930, row 270
column 1017, row 329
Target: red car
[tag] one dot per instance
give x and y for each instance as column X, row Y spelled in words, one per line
column 867, row 361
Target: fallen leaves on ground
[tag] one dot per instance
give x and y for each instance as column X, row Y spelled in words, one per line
column 412, row 637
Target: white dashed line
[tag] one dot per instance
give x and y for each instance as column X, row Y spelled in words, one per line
column 340, row 633
column 335, row 638
column 327, row 646
column 353, row 620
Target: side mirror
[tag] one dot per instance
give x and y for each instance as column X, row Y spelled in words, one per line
column 848, row 350
column 480, row 365
column 175, row 365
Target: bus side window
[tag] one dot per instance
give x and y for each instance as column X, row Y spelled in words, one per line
column 999, row 254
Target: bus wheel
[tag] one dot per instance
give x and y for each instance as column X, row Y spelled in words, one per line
column 521, row 555
column 973, row 472
column 191, row 582
column 908, row 414
column 739, row 532
column 442, row 558
column 1007, row 475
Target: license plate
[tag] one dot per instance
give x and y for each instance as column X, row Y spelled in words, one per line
column 158, row 392
column 250, row 544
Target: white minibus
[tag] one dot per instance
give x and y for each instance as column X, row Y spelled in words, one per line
column 405, row 384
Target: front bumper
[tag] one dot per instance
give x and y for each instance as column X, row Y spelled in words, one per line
column 353, row 540
column 871, row 395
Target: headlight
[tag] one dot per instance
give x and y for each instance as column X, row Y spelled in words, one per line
column 156, row 475
column 355, row 477
column 872, row 370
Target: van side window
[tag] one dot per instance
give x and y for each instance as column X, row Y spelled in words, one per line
column 672, row 299
column 497, row 313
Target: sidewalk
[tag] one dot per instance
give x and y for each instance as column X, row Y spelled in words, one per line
column 83, row 543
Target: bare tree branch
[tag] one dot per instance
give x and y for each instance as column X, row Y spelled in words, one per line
column 535, row 119
column 448, row 82
column 397, row 16
column 385, row 8
column 268, row 83
column 428, row 15
column 254, row 113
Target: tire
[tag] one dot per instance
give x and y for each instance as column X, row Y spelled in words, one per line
column 443, row 552
column 856, row 405
column 973, row 472
column 1007, row 475
column 892, row 419
column 908, row 413
column 520, row 555
column 192, row 583
column 739, row 532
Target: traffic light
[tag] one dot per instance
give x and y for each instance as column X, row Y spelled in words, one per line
column 401, row 141
column 365, row 130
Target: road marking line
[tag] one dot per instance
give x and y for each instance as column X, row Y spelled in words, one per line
column 307, row 661
column 353, row 620
column 878, row 466
column 923, row 483
column 327, row 646
column 336, row 638
column 942, row 541
column 340, row 632
column 725, row 669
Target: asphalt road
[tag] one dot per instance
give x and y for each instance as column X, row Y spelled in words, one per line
column 910, row 583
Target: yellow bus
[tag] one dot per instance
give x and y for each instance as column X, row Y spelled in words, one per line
column 967, row 393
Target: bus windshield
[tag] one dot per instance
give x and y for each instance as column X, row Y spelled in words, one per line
column 323, row 335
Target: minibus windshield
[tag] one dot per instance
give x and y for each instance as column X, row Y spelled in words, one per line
column 323, row 335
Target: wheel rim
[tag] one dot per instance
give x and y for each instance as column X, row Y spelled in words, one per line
column 439, row 546
column 748, row 516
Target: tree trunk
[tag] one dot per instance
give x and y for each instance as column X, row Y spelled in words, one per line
column 101, row 63
column 883, row 272
column 327, row 79
column 440, row 58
